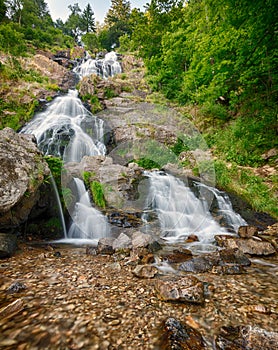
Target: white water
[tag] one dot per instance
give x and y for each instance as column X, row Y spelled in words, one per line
column 232, row 219
column 179, row 211
column 68, row 130
column 88, row 222
column 59, row 131
column 109, row 66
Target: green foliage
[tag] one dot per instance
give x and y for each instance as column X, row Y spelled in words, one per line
column 247, row 137
column 11, row 40
column 147, row 163
column 249, row 186
column 91, row 42
column 97, row 194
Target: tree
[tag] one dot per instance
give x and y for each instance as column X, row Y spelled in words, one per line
column 117, row 20
column 74, row 21
column 15, row 10
column 118, row 12
column 88, row 20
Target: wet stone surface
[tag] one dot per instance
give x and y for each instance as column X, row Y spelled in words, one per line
column 75, row 300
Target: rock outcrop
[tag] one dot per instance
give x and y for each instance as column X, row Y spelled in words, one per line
column 22, row 172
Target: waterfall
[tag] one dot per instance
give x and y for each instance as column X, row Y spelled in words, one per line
column 180, row 213
column 60, row 129
column 232, row 219
column 66, row 129
column 109, row 66
column 88, row 223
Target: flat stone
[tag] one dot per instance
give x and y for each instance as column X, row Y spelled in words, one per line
column 105, row 246
column 181, row 289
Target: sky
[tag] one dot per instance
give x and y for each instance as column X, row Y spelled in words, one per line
column 59, row 8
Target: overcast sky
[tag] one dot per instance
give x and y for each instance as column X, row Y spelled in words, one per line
column 59, row 8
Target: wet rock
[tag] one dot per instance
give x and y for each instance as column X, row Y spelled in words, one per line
column 105, row 246
column 179, row 336
column 233, row 257
column 16, row 287
column 177, row 255
column 246, row 337
column 200, row 264
column 145, row 271
column 247, row 231
column 122, row 242
column 8, row 245
column 226, row 261
column 250, row 246
column 22, row 173
column 181, row 289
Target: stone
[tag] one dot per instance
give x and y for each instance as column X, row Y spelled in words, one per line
column 122, row 242
column 105, row 246
column 181, row 289
column 22, row 173
column 11, row 309
column 140, row 239
column 226, row 261
column 230, row 257
column 145, row 271
column 250, row 246
column 177, row 335
column 8, row 245
column 16, row 287
column 246, row 337
column 177, row 255
column 247, row 231
column 199, row 264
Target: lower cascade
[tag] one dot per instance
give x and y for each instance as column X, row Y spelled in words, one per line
column 181, row 213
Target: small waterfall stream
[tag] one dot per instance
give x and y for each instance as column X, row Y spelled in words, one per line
column 106, row 67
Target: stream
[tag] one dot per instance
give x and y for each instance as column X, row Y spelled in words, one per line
column 74, row 298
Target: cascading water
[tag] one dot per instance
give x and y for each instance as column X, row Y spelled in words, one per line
column 59, row 129
column 67, row 129
column 88, row 223
column 232, row 219
column 179, row 211
column 109, row 66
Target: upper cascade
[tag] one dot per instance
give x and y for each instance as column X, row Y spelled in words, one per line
column 104, row 67
column 61, row 129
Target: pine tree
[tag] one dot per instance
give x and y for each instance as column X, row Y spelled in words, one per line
column 88, row 21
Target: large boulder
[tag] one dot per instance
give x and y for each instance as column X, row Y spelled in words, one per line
column 22, row 172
